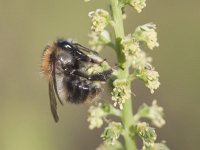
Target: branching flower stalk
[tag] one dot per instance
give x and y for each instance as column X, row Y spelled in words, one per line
column 133, row 64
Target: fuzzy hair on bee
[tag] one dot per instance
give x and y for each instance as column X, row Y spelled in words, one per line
column 64, row 64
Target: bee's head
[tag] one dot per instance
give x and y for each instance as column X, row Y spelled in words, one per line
column 63, row 44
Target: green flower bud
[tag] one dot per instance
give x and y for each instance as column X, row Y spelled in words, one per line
column 147, row 134
column 112, row 132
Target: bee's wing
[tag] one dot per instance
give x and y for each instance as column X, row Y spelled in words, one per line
column 53, row 103
column 54, row 80
column 79, row 46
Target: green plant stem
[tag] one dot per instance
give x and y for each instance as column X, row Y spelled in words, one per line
column 127, row 112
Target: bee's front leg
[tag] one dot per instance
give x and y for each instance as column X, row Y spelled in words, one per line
column 101, row 76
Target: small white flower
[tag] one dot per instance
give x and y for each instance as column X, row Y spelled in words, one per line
column 130, row 46
column 156, row 114
column 120, row 93
column 158, row 146
column 150, row 77
column 147, row 34
column 95, row 118
column 138, row 4
column 140, row 60
column 98, row 40
column 152, row 80
column 106, row 146
column 94, row 42
column 100, row 19
column 133, row 52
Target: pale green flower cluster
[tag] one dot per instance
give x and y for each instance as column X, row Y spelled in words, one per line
column 97, row 40
column 151, row 77
column 147, row 134
column 106, row 146
column 157, row 146
column 133, row 52
column 96, row 68
column 154, row 113
column 96, row 115
column 130, row 46
column 99, row 36
column 138, row 4
column 120, row 93
column 147, row 34
column 139, row 61
column 112, row 132
column 100, row 19
column 134, row 63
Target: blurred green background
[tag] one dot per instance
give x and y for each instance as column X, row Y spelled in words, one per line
column 26, row 26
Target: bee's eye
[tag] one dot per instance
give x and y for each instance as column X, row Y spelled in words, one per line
column 64, row 44
column 67, row 46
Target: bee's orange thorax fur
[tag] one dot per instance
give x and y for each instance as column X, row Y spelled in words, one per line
column 46, row 62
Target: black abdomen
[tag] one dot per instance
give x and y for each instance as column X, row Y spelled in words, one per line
column 80, row 90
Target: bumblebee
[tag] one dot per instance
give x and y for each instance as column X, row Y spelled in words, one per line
column 65, row 65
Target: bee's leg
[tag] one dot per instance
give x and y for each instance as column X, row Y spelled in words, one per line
column 78, row 73
column 101, row 76
column 85, row 58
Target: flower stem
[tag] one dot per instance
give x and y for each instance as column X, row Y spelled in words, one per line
column 127, row 114
column 118, row 28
